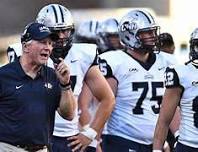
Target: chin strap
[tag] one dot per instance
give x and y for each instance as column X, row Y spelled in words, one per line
column 186, row 63
column 191, row 60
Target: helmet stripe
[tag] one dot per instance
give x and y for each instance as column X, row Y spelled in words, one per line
column 146, row 16
column 97, row 24
column 55, row 13
column 152, row 18
column 90, row 25
column 61, row 11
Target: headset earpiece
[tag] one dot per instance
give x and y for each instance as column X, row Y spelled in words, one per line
column 26, row 36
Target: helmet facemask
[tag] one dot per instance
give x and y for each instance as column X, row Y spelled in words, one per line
column 148, row 39
column 112, row 41
column 193, row 55
column 108, row 41
column 63, row 44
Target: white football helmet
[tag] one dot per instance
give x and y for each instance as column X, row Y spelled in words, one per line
column 193, row 55
column 58, row 18
column 135, row 23
column 86, row 31
column 107, row 35
column 55, row 17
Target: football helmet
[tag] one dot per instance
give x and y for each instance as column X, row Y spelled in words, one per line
column 193, row 55
column 133, row 27
column 58, row 18
column 107, row 35
column 86, row 31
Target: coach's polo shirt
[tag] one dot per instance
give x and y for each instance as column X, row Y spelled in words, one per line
column 26, row 104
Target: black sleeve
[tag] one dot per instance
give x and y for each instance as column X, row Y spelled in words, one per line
column 171, row 78
column 105, row 68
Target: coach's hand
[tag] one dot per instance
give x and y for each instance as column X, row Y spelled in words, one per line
column 62, row 72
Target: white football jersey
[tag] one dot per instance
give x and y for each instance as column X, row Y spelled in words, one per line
column 186, row 77
column 139, row 94
column 79, row 59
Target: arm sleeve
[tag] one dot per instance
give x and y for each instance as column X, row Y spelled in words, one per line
column 105, row 68
column 171, row 78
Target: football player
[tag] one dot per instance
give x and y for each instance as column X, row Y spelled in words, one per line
column 107, row 40
column 82, row 60
column 136, row 78
column 86, row 33
column 167, row 45
column 181, row 88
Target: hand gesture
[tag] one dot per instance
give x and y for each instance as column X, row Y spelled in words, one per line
column 62, row 72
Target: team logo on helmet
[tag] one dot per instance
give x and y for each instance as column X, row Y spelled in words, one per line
column 127, row 26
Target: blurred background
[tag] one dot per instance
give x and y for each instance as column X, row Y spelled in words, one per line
column 174, row 16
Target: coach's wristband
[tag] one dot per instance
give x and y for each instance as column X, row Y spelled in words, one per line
column 90, row 133
column 65, row 87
